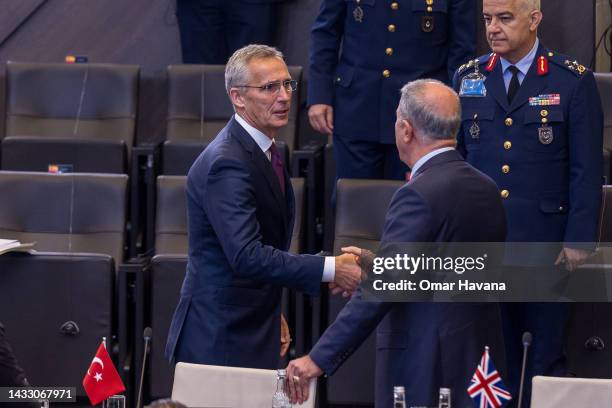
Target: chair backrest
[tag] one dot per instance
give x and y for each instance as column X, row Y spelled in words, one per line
column 97, row 101
column 167, row 274
column 198, row 385
column 362, row 226
column 604, row 83
column 171, row 215
column 65, row 212
column 555, row 392
column 56, row 307
column 198, row 105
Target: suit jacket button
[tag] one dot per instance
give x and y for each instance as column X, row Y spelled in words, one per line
column 509, row 122
column 507, row 145
column 391, row 28
column 505, row 194
column 386, row 73
column 389, row 51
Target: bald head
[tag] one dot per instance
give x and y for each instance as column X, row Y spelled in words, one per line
column 432, row 108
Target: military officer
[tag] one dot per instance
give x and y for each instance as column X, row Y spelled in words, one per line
column 532, row 120
column 353, row 93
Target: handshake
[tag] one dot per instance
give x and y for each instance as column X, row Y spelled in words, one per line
column 349, row 273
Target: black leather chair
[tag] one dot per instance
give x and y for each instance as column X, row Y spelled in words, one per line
column 82, row 116
column 65, row 212
column 168, row 269
column 604, row 83
column 589, row 343
column 198, row 107
column 358, row 225
column 56, row 308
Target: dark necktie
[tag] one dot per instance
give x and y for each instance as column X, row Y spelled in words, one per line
column 514, row 83
column 277, row 165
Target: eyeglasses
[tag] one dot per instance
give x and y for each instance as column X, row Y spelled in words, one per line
column 273, row 88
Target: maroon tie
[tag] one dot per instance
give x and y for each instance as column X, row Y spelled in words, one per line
column 277, row 165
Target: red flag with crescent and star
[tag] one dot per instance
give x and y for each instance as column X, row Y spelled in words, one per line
column 102, row 379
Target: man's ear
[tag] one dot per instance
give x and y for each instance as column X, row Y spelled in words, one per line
column 536, row 18
column 407, row 131
column 237, row 98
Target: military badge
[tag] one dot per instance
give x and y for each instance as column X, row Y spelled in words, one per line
column 358, row 13
column 475, row 129
column 473, row 85
column 545, row 134
column 427, row 24
column 545, row 100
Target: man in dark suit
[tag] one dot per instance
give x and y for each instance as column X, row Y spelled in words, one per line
column 537, row 132
column 363, row 52
column 422, row 346
column 240, row 208
column 211, row 30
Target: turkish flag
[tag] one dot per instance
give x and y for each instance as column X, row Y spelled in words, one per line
column 102, row 379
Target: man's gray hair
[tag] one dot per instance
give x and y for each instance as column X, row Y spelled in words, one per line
column 236, row 70
column 424, row 116
column 531, row 5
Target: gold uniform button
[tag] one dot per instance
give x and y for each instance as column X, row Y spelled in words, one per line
column 394, row 5
column 338, row 79
column 544, row 120
column 551, row 54
column 505, row 169
column 391, row 28
column 505, row 194
column 389, row 51
column 507, row 145
column 386, row 73
column 429, row 9
column 544, row 113
column 508, row 122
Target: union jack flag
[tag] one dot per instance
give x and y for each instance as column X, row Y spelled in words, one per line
column 486, row 388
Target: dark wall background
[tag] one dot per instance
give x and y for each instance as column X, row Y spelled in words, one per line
column 144, row 32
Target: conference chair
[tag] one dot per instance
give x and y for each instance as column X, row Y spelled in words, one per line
column 71, row 213
column 362, row 226
column 167, row 270
column 198, row 385
column 604, row 83
column 56, row 308
column 81, row 117
column 199, row 107
column 589, row 351
column 556, row 392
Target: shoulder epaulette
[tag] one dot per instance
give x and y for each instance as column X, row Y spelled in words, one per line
column 567, row 63
column 470, row 64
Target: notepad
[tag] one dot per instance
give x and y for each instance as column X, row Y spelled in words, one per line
column 9, row 245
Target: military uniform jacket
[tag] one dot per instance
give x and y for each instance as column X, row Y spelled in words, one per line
column 385, row 43
column 544, row 150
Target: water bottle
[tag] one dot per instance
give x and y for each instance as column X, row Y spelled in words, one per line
column 445, row 398
column 399, row 397
column 280, row 399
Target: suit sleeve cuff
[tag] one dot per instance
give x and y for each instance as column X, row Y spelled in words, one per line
column 329, row 269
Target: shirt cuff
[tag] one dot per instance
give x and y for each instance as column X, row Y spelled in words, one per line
column 329, row 269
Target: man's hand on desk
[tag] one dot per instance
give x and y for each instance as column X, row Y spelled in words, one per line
column 299, row 374
column 348, row 275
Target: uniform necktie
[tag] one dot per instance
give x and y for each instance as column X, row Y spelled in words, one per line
column 277, row 166
column 514, row 83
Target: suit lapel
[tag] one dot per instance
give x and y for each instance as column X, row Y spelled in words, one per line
column 262, row 164
column 496, row 87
